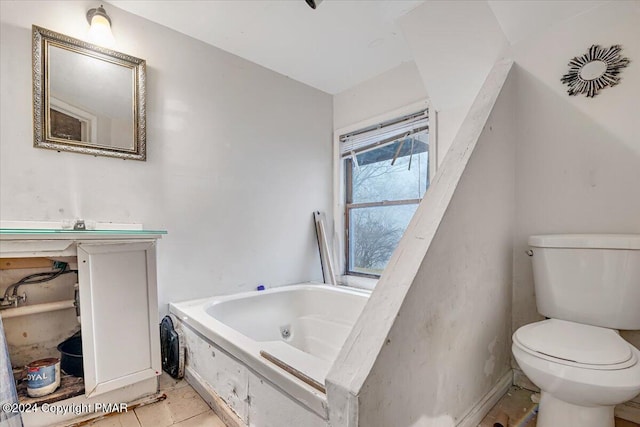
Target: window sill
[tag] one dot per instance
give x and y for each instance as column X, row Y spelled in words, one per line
column 358, row 282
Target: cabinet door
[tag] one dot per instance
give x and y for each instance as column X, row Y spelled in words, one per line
column 119, row 314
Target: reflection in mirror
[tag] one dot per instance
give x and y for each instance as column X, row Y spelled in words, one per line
column 592, row 70
column 90, row 100
column 87, row 98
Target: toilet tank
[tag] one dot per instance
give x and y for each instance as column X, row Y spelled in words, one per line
column 592, row 279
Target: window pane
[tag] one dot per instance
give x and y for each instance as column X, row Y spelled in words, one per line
column 376, row 180
column 374, row 235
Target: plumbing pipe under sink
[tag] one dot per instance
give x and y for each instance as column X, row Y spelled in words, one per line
column 36, row 308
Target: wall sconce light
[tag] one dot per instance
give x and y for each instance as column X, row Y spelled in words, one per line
column 313, row 3
column 100, row 31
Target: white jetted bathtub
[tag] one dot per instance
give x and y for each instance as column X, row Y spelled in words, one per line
column 288, row 335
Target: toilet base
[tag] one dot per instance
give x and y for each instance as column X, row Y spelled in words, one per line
column 554, row 412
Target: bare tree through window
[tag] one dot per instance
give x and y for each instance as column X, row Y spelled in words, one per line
column 383, row 197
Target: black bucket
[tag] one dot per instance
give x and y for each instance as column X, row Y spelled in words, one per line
column 71, row 359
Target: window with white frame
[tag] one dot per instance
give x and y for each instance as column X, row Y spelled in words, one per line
column 386, row 169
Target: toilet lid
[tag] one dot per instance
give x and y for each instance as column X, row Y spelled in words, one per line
column 574, row 342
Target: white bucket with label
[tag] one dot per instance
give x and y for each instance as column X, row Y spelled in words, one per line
column 43, row 377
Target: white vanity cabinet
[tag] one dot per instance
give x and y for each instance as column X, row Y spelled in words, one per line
column 118, row 305
column 119, row 314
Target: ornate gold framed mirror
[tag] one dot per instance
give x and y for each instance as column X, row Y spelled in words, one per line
column 86, row 98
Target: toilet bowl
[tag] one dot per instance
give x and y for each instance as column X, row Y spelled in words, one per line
column 587, row 287
column 583, row 371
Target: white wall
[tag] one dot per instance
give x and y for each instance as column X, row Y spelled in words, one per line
column 454, row 44
column 463, row 232
column 450, row 344
column 578, row 158
column 238, row 157
column 395, row 89
column 578, row 161
column 572, row 165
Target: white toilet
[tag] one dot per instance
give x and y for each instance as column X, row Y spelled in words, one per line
column 588, row 285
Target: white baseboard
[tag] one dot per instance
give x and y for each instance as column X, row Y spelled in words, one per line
column 222, row 410
column 488, row 401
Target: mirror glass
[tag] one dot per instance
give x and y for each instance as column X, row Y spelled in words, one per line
column 592, row 70
column 90, row 100
column 87, row 99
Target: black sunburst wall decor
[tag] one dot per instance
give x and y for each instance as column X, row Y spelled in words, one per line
column 607, row 63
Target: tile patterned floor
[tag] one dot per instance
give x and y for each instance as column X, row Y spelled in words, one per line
column 183, row 407
column 517, row 404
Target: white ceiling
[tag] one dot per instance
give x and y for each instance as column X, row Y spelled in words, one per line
column 332, row 48
column 519, row 19
column 343, row 42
